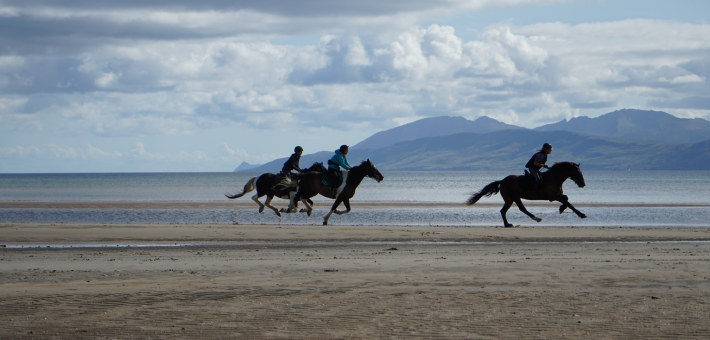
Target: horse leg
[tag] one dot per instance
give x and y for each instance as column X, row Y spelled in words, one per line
column 567, row 204
column 268, row 204
column 292, row 203
column 520, row 205
column 256, row 199
column 332, row 209
column 347, row 206
column 310, row 205
column 295, row 202
column 503, row 211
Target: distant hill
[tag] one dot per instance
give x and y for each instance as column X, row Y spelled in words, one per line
column 623, row 139
column 432, row 127
column 510, row 150
column 637, row 124
column 246, row 166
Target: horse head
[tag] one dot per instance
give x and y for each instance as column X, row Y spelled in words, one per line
column 569, row 170
column 372, row 171
column 577, row 176
column 317, row 167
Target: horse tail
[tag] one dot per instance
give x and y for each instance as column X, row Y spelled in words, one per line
column 247, row 188
column 488, row 191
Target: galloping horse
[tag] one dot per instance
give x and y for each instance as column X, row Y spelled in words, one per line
column 310, row 185
column 550, row 189
column 264, row 185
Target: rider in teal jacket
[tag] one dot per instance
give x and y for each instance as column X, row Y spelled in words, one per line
column 334, row 164
column 340, row 160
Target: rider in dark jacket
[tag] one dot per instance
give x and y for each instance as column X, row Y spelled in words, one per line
column 536, row 162
column 292, row 162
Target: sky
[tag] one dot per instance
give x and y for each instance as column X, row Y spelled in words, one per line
column 202, row 86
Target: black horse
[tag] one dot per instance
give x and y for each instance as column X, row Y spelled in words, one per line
column 550, row 190
column 264, row 185
column 309, row 185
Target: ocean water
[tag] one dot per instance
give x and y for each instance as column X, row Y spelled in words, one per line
column 606, row 187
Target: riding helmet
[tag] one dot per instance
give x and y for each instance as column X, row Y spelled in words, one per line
column 547, row 146
column 298, row 148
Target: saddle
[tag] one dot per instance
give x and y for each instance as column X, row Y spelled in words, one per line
column 527, row 181
column 325, row 179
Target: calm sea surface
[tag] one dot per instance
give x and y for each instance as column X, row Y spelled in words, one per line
column 627, row 187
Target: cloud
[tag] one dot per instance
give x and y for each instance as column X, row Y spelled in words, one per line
column 19, row 151
column 135, row 69
column 241, row 155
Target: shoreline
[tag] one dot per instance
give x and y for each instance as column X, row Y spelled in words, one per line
column 248, row 204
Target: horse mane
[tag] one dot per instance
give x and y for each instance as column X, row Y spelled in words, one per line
column 561, row 167
column 359, row 166
column 359, row 169
column 317, row 166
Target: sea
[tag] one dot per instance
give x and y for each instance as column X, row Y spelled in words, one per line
column 610, row 198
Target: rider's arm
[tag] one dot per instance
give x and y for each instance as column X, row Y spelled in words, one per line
column 341, row 161
column 536, row 163
column 294, row 163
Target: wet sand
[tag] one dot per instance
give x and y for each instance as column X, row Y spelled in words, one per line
column 363, row 282
column 246, row 203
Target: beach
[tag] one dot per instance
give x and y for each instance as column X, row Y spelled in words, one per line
column 187, row 281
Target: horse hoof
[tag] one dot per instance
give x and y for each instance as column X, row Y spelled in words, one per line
column 325, row 223
column 261, row 210
column 583, row 216
column 303, row 210
column 310, row 212
column 537, row 219
column 279, row 214
column 509, row 226
column 562, row 208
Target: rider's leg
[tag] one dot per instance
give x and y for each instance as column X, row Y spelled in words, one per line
column 334, row 181
column 536, row 184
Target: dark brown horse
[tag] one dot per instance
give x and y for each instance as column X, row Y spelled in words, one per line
column 265, row 183
column 309, row 185
column 550, row 190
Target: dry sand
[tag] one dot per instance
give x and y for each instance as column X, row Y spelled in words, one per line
column 291, row 282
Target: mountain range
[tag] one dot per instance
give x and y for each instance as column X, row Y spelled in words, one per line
column 637, row 124
column 620, row 140
column 432, row 127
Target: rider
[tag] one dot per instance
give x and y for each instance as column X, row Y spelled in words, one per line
column 292, row 162
column 334, row 165
column 536, row 162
